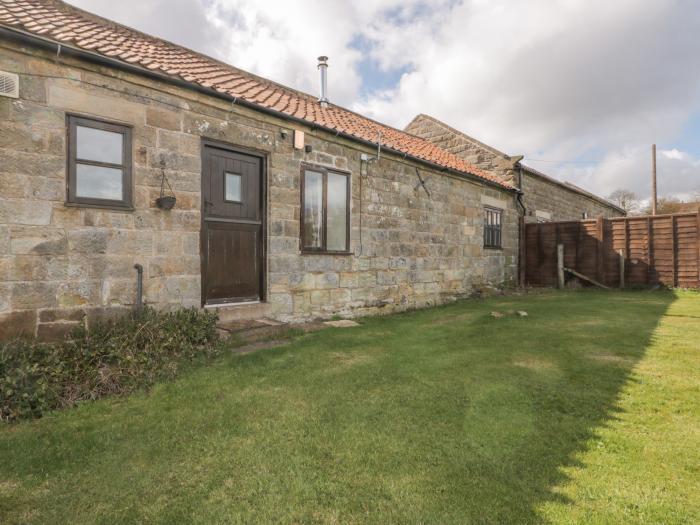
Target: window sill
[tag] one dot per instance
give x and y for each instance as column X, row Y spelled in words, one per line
column 111, row 207
column 497, row 248
column 319, row 252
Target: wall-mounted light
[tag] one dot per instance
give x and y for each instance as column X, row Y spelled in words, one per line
column 308, row 148
column 283, row 134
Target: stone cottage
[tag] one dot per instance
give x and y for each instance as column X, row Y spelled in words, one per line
column 132, row 169
column 545, row 198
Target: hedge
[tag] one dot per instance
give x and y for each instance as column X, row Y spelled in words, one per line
column 112, row 358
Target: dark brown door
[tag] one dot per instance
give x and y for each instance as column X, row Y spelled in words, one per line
column 232, row 226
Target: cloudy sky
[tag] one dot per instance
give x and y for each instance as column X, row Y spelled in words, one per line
column 582, row 88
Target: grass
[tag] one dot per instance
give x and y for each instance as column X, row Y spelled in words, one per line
column 585, row 411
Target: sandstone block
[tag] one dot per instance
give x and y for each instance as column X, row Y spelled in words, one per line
column 37, row 241
column 17, row 324
column 348, row 280
column 89, row 241
column 31, row 295
column 108, row 219
column 71, row 97
column 117, row 291
column 62, row 216
column 281, row 302
column 340, row 296
column 61, row 314
column 102, row 314
column 190, row 243
column 22, row 211
column 133, row 242
column 24, row 268
column 284, row 245
column 166, row 266
column 162, row 118
column 320, row 297
column 301, row 281
column 41, row 164
column 103, row 267
column 55, row 331
column 72, row 294
column 327, row 280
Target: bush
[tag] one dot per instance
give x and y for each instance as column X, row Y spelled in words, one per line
column 113, row 358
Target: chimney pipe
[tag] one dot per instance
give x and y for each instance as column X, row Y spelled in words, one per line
column 323, row 69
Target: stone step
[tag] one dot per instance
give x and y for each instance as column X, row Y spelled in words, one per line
column 253, row 330
column 241, row 312
column 263, row 330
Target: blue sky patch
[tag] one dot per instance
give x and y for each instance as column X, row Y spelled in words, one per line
column 374, row 78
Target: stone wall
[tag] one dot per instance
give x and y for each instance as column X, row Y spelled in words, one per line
column 464, row 146
column 62, row 266
column 554, row 202
column 544, row 198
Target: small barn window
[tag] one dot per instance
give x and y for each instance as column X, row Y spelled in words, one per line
column 492, row 227
column 325, row 211
column 99, row 163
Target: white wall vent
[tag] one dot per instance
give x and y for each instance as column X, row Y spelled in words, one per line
column 9, row 85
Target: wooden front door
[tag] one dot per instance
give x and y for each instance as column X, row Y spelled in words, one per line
column 232, row 226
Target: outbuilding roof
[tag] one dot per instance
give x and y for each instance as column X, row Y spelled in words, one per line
column 65, row 24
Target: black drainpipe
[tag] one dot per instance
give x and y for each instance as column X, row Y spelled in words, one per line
column 139, row 287
column 519, row 200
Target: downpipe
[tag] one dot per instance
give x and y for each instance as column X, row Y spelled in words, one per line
column 139, row 287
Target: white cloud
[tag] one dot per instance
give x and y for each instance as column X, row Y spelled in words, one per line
column 674, row 154
column 551, row 79
column 678, row 173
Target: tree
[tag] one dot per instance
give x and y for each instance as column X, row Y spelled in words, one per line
column 625, row 199
column 665, row 205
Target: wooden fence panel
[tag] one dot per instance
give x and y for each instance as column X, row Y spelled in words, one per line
column 664, row 249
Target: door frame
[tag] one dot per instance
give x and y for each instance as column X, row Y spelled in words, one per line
column 263, row 156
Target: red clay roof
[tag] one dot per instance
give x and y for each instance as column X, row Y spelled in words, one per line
column 66, row 24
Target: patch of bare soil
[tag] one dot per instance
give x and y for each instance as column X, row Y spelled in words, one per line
column 611, row 358
column 535, row 363
column 349, row 359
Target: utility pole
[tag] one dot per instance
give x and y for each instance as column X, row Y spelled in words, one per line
column 653, row 179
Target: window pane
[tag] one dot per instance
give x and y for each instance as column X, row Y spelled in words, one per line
column 336, row 239
column 233, row 187
column 98, row 183
column 98, row 145
column 313, row 209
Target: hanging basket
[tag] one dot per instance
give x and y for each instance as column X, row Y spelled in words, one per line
column 165, row 202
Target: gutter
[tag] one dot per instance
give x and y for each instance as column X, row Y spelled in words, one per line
column 64, row 49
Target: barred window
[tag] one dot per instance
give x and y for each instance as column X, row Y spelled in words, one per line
column 492, row 228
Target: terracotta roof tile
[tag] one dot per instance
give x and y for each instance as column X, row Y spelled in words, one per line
column 66, row 24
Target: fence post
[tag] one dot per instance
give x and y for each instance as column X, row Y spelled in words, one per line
column 622, row 268
column 600, row 234
column 674, row 251
column 650, row 255
column 560, row 266
column 697, row 242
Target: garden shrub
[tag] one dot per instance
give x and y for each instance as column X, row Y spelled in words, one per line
column 112, row 358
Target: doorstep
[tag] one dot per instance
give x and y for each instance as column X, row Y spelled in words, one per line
column 240, row 311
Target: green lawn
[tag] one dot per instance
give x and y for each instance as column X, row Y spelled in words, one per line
column 585, row 411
